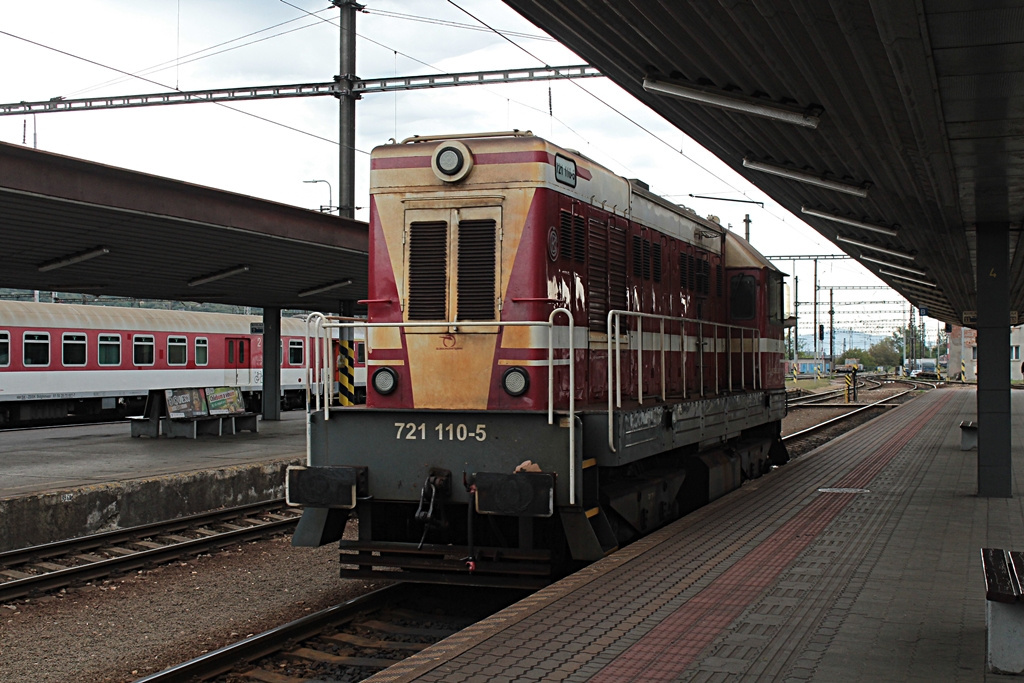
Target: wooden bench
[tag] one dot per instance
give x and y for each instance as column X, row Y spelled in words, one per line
column 1004, row 610
column 968, row 435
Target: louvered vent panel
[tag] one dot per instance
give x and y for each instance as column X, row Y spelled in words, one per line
column 638, row 256
column 597, row 277
column 647, row 260
column 718, row 279
column 565, row 235
column 684, row 282
column 476, row 270
column 656, row 261
column 692, row 271
column 428, row 265
column 616, row 268
column 579, row 239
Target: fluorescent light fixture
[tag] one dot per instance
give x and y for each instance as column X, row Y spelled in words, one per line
column 326, row 288
column 745, row 105
column 907, row 278
column 880, row 262
column 865, row 245
column 849, row 221
column 213, row 277
column 805, row 177
column 73, row 259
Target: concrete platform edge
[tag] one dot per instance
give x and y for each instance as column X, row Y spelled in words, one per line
column 56, row 515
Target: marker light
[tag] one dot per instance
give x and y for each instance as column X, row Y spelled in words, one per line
column 385, row 381
column 515, row 381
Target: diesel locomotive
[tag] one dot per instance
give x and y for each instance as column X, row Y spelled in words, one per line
column 558, row 361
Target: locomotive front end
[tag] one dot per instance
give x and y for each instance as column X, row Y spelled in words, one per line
column 455, row 465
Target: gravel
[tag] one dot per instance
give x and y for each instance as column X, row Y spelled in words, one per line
column 126, row 627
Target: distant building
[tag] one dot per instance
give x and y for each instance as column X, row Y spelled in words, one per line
column 963, row 346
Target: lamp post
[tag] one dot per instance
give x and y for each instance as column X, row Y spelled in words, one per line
column 330, row 196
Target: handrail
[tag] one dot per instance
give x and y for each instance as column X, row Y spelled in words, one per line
column 320, row 323
column 615, row 361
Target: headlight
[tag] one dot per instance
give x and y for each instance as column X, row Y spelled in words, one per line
column 452, row 161
column 385, row 380
column 515, row 381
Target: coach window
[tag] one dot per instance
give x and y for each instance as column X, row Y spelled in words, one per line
column 36, row 349
column 110, row 349
column 361, row 353
column 295, row 351
column 73, row 349
column 5, row 348
column 144, row 351
column 202, row 351
column 177, row 351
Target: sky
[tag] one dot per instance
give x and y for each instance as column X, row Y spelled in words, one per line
column 267, row 149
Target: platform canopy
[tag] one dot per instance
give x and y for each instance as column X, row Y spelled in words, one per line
column 70, row 225
column 918, row 106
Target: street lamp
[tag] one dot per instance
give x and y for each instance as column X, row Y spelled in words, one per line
column 330, row 202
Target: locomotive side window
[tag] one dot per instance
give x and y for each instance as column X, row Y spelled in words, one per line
column 202, row 351
column 109, row 349
column 295, row 351
column 177, row 350
column 5, row 349
column 361, row 353
column 144, row 349
column 36, row 348
column 73, row 349
column 743, row 297
column 476, row 283
column 775, row 306
column 428, row 270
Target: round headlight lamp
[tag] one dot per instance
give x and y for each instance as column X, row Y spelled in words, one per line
column 515, row 381
column 452, row 161
column 385, row 381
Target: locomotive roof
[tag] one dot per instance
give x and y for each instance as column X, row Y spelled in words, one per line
column 81, row 316
column 521, row 159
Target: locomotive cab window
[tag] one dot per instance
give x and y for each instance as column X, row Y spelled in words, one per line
column 202, row 351
column 743, row 297
column 295, row 352
column 144, row 349
column 5, row 349
column 36, row 348
column 775, row 306
column 177, row 350
column 73, row 349
column 109, row 351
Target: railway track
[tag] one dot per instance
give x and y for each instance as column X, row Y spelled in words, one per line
column 347, row 642
column 51, row 566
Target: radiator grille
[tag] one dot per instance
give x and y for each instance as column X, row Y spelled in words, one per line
column 597, row 277
column 617, row 268
column 476, row 270
column 428, row 263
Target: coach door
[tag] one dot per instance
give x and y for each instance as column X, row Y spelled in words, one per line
column 238, row 359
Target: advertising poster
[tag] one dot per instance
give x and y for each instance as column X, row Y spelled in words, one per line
column 225, row 400
column 185, row 403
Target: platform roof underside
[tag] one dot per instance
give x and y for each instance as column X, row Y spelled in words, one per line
column 922, row 102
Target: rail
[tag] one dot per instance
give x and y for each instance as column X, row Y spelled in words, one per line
column 614, row 324
column 321, row 373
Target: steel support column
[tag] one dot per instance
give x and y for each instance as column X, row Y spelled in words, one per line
column 271, row 363
column 995, row 470
column 347, row 109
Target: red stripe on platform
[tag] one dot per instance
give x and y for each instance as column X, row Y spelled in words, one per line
column 674, row 644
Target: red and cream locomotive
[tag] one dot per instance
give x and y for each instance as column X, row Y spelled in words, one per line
column 558, row 362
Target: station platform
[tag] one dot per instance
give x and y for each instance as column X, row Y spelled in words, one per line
column 70, row 481
column 858, row 561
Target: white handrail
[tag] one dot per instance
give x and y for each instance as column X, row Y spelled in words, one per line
column 615, row 361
